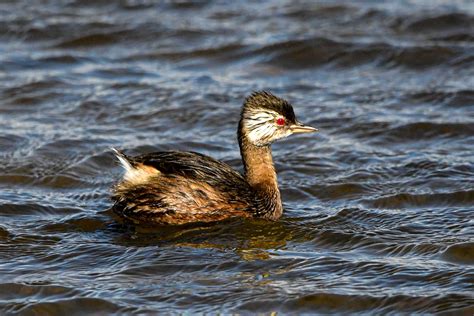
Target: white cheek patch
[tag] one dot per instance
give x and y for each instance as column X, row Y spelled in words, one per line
column 262, row 135
column 260, row 126
column 254, row 119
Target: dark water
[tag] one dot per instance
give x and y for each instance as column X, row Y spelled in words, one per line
column 379, row 205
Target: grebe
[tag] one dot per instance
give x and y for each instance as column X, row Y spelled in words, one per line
column 183, row 187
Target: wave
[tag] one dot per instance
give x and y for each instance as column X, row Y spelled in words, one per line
column 408, row 200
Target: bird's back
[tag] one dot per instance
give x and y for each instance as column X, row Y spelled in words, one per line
column 181, row 187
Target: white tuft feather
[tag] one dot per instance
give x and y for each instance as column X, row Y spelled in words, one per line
column 122, row 159
column 135, row 175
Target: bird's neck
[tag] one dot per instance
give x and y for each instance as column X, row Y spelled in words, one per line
column 260, row 174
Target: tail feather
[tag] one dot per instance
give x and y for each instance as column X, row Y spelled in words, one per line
column 135, row 173
column 123, row 159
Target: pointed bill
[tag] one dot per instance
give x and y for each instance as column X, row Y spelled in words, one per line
column 301, row 128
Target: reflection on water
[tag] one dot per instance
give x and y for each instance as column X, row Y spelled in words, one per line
column 378, row 206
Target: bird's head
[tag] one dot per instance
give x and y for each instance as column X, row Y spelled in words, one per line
column 266, row 118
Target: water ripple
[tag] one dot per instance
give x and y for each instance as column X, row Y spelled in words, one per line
column 378, row 204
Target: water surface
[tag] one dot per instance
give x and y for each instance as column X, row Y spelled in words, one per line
column 379, row 206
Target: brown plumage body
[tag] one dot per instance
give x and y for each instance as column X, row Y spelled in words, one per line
column 184, row 187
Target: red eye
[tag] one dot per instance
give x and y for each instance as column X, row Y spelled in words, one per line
column 281, row 121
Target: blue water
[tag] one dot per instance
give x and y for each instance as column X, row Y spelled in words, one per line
column 379, row 205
